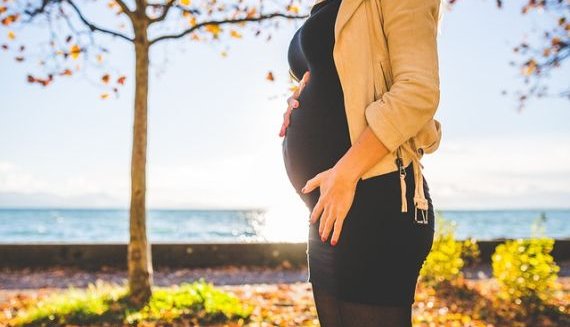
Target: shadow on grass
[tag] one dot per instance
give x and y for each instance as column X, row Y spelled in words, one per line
column 189, row 303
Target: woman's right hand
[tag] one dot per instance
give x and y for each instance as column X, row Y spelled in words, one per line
column 293, row 103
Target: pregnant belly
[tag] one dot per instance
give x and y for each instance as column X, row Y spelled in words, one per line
column 316, row 138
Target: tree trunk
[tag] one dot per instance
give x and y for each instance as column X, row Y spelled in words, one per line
column 139, row 254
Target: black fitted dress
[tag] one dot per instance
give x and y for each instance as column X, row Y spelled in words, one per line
column 381, row 249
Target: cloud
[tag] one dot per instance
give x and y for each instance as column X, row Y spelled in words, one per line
column 528, row 171
column 465, row 173
column 21, row 188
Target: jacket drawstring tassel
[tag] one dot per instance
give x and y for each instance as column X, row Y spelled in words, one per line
column 402, row 170
column 403, row 192
column 420, row 201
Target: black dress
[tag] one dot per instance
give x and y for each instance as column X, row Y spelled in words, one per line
column 380, row 249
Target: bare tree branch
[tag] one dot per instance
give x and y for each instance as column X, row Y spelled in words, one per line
column 165, row 10
column 94, row 27
column 39, row 10
column 125, row 8
column 223, row 22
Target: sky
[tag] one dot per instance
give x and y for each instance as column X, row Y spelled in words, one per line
column 214, row 123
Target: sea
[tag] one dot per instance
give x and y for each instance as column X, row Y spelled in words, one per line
column 49, row 225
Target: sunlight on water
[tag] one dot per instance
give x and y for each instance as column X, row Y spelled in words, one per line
column 286, row 223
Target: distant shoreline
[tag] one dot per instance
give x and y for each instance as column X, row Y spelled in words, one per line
column 268, row 208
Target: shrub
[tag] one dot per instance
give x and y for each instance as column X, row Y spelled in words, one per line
column 444, row 262
column 525, row 269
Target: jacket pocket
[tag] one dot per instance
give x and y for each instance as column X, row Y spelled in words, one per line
column 382, row 80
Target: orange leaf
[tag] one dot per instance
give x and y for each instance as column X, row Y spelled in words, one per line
column 121, row 80
column 251, row 12
column 529, row 67
column 43, row 82
column 75, row 51
column 270, row 76
column 10, row 19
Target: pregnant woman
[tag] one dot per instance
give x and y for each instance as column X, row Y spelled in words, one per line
column 365, row 249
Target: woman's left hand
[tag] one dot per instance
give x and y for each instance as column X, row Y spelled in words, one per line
column 337, row 188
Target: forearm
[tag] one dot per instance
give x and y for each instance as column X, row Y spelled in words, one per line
column 366, row 151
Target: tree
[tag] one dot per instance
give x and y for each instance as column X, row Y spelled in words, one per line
column 537, row 60
column 540, row 59
column 201, row 20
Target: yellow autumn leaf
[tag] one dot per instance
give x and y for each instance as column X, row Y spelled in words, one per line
column 185, row 2
column 75, row 51
column 104, row 95
column 293, row 9
column 235, row 34
column 11, row 35
column 215, row 29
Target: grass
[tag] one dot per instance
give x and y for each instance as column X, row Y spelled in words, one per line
column 455, row 303
column 102, row 303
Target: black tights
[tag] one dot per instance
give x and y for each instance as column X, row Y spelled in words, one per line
column 333, row 312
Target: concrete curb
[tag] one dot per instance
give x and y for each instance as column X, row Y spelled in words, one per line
column 94, row 256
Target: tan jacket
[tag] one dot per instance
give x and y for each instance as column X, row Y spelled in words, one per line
column 386, row 56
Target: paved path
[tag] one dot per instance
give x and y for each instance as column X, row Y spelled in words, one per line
column 30, row 280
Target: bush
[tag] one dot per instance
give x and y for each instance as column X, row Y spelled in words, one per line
column 444, row 262
column 525, row 269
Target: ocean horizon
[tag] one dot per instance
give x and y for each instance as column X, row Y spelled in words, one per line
column 97, row 225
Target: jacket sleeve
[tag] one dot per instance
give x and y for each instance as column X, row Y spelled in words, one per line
column 410, row 27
